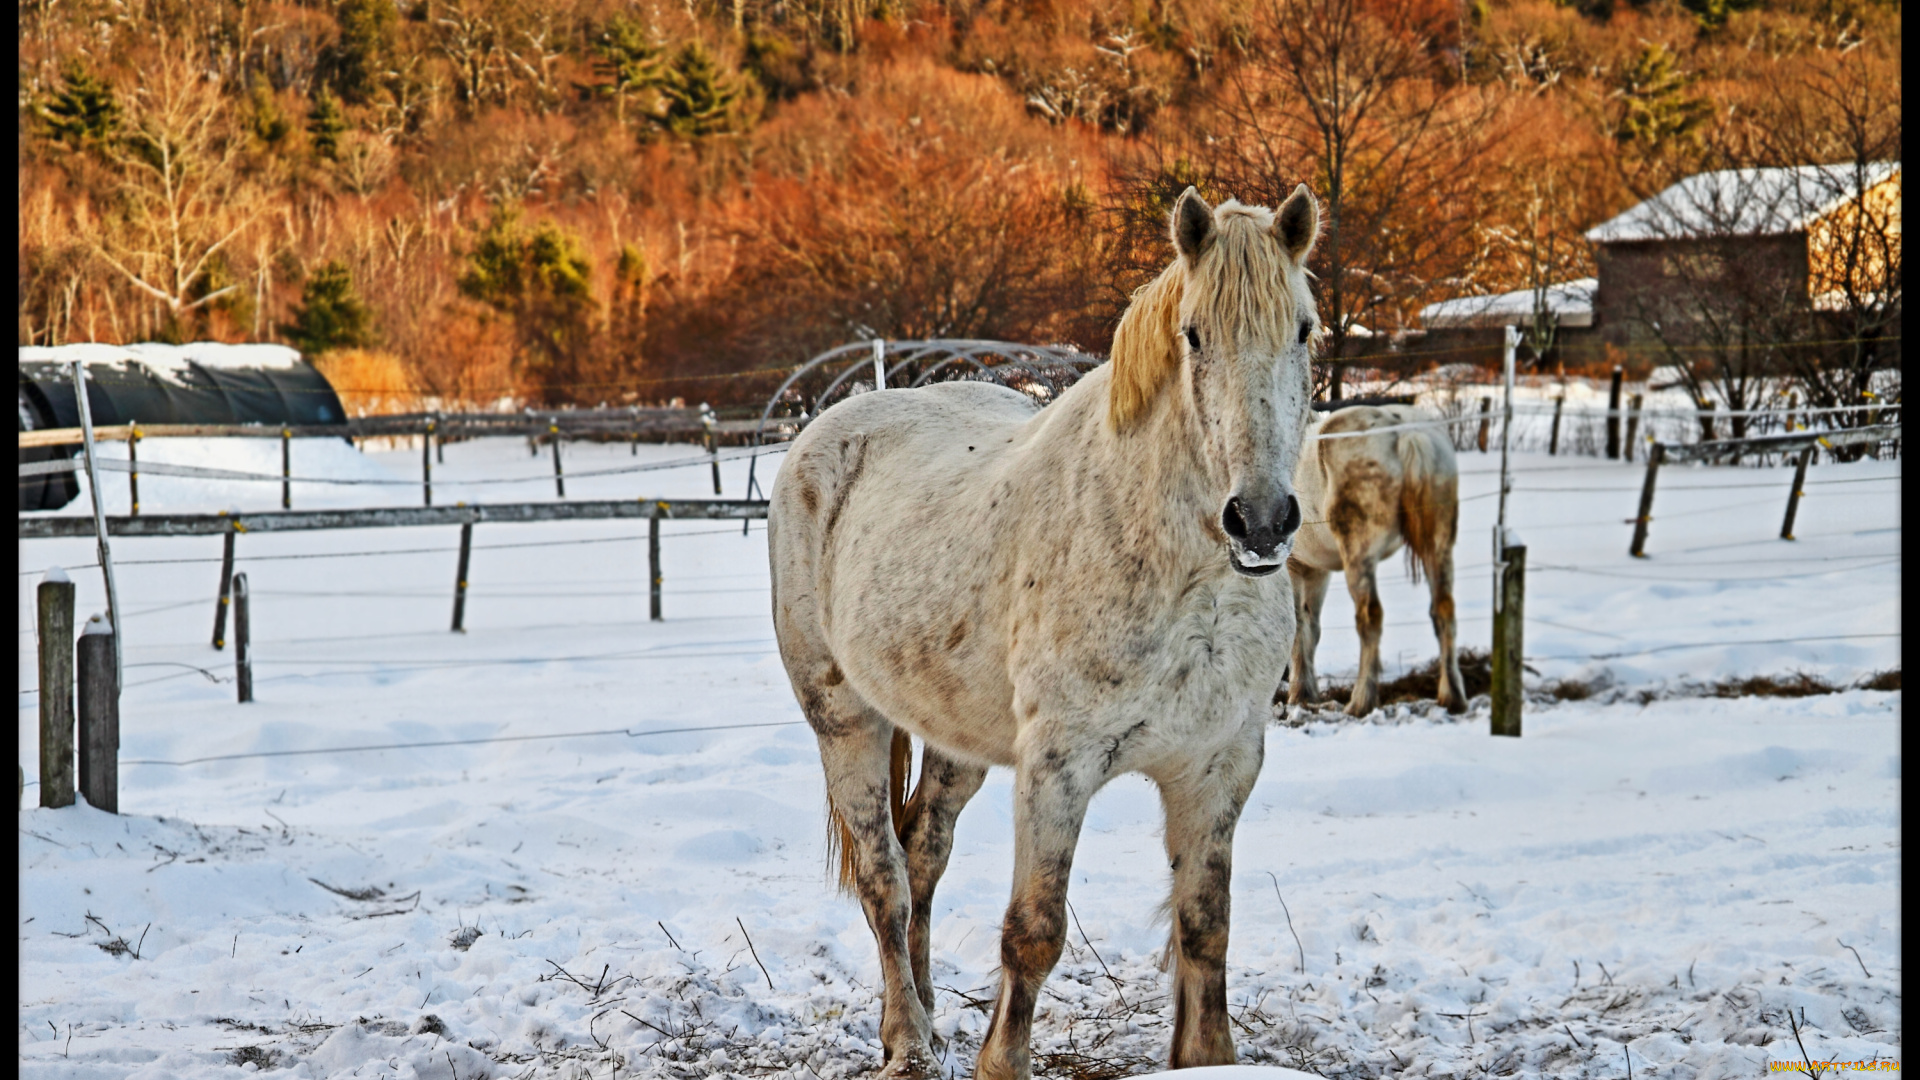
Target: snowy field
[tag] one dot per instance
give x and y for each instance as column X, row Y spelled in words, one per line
column 1650, row 880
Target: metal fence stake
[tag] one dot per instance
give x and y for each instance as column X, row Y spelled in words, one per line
column 1793, row 497
column 226, row 591
column 426, row 464
column 242, row 660
column 1553, row 439
column 653, row 566
column 559, row 481
column 286, row 467
column 713, row 446
column 100, row 539
column 1654, row 457
column 1613, row 415
column 133, row 467
column 460, row 579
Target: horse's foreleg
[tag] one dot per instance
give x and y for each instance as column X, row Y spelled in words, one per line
column 855, row 749
column 1453, row 692
column 926, row 832
column 1051, row 792
column 1368, row 619
column 1309, row 599
column 1203, row 806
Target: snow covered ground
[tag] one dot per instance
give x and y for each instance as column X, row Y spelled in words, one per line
column 1648, row 879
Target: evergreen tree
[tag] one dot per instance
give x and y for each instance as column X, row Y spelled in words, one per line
column 1713, row 14
column 627, row 310
column 326, row 122
column 495, row 273
column 699, row 98
column 82, row 112
column 331, row 314
column 1658, row 110
column 542, row 280
column 358, row 58
column 265, row 119
column 629, row 59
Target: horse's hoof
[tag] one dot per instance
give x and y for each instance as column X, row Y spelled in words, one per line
column 916, row 1064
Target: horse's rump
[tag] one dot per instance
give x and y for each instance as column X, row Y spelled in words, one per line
column 1429, row 488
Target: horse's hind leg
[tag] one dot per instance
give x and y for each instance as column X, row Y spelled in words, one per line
column 1368, row 618
column 855, row 749
column 926, row 832
column 1203, row 806
column 1309, row 599
column 1453, row 692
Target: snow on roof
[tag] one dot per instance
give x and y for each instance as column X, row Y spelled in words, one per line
column 1571, row 302
column 1744, row 202
column 167, row 359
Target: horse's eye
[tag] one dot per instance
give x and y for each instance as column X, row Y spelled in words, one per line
column 1306, row 330
column 1193, row 338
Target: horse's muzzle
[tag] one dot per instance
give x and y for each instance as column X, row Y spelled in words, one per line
column 1260, row 533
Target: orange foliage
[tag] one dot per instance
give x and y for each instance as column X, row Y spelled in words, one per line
column 991, row 168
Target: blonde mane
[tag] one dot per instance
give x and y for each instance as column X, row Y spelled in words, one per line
column 1235, row 280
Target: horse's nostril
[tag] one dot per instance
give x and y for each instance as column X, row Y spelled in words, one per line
column 1290, row 518
column 1233, row 521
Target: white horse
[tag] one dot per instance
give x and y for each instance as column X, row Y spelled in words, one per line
column 1365, row 495
column 1077, row 592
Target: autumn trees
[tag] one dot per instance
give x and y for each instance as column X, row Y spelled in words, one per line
column 607, row 200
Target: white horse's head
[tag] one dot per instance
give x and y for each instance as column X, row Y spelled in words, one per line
column 1230, row 327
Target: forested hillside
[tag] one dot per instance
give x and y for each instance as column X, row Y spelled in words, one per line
column 590, row 201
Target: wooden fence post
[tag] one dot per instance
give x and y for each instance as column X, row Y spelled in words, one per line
column 460, row 579
column 653, row 565
column 286, row 468
column 439, row 443
column 99, row 720
column 133, row 467
column 242, row 661
column 226, row 591
column 1793, row 497
column 1486, row 404
column 1553, row 440
column 1654, row 457
column 1508, row 635
column 56, row 692
column 1706, row 410
column 1633, row 427
column 559, row 482
column 1613, row 415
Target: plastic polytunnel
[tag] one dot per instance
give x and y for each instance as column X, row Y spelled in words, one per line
column 152, row 383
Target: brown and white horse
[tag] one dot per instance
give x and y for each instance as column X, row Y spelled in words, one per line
column 1365, row 493
column 1077, row 592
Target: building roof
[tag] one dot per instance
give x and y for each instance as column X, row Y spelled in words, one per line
column 1744, row 202
column 1571, row 302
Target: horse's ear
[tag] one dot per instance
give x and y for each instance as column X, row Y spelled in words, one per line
column 1192, row 223
column 1298, row 223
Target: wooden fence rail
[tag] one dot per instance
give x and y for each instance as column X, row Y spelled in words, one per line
column 228, row 526
column 690, row 424
column 32, row 528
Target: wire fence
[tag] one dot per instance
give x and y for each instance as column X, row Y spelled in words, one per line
column 320, row 667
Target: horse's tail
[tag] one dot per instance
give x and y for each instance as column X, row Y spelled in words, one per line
column 840, row 841
column 1429, row 497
